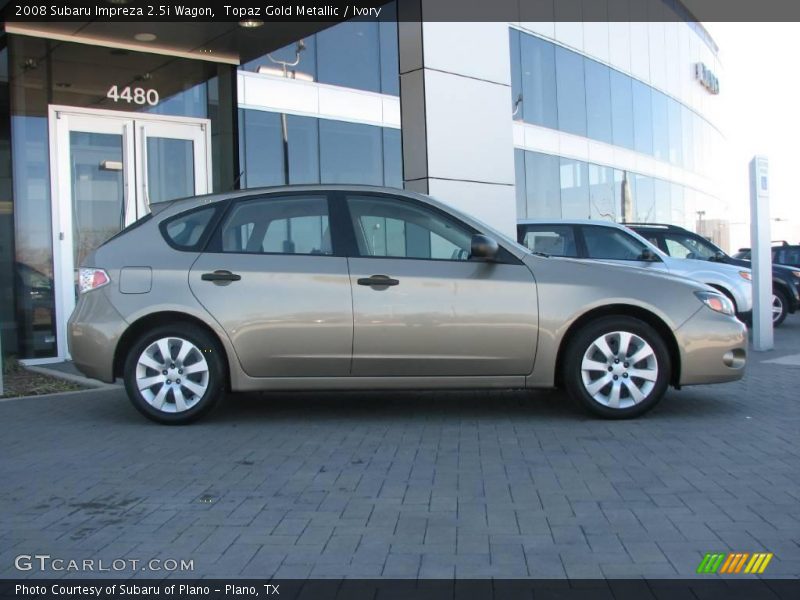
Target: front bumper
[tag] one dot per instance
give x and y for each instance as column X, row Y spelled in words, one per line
column 93, row 331
column 713, row 348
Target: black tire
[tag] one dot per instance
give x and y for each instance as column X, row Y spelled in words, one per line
column 780, row 296
column 628, row 407
column 206, row 345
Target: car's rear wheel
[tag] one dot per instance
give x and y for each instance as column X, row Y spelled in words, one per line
column 617, row 367
column 780, row 307
column 174, row 374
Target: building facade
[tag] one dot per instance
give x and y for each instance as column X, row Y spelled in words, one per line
column 504, row 120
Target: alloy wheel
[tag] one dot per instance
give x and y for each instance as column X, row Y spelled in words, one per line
column 619, row 369
column 777, row 308
column 172, row 374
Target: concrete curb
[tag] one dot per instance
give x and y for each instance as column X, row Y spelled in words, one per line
column 105, row 388
column 79, row 379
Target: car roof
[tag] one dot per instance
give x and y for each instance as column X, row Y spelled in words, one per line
column 570, row 222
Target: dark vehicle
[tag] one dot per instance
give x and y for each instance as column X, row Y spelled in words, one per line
column 783, row 253
column 682, row 243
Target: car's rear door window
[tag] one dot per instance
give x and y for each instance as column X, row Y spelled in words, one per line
column 554, row 240
column 611, row 244
column 294, row 224
column 187, row 230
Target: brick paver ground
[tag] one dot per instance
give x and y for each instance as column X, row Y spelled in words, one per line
column 412, row 485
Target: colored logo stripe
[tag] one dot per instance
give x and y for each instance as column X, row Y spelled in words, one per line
column 734, row 562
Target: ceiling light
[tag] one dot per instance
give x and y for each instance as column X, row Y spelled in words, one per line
column 145, row 37
column 250, row 23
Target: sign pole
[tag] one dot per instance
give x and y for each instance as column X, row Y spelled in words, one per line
column 761, row 254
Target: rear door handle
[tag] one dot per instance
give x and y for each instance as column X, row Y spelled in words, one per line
column 220, row 275
column 378, row 281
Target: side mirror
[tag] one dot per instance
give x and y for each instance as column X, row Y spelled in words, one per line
column 483, row 248
column 648, row 256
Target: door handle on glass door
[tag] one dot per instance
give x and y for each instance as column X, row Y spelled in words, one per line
column 378, row 281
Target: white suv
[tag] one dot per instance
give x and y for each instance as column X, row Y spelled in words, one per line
column 611, row 242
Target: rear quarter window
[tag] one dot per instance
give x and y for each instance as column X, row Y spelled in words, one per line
column 189, row 230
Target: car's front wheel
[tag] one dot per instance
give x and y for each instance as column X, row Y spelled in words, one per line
column 780, row 307
column 174, row 374
column 617, row 367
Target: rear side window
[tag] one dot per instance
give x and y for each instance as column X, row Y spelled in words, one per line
column 186, row 231
column 278, row 225
column 555, row 240
column 611, row 244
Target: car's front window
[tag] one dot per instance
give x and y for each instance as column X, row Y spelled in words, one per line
column 612, row 244
column 683, row 246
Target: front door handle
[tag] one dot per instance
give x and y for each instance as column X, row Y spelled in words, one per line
column 378, row 281
column 220, row 275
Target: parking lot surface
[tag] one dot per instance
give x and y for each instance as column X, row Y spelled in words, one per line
column 464, row 484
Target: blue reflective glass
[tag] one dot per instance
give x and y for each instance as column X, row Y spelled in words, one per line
column 350, row 153
column 643, row 198
column 538, row 82
column 602, row 193
column 348, row 56
column 574, row 179
column 598, row 105
column 687, row 138
column 675, row 132
column 192, row 102
column 660, row 125
column 303, row 149
column 392, row 158
column 390, row 61
column 260, row 148
column 678, row 214
column 519, row 183
column 516, row 74
column 642, row 118
column 543, row 193
column 662, row 193
column 571, row 91
column 271, row 63
column 621, row 109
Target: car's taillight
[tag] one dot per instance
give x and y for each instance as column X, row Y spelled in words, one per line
column 91, row 279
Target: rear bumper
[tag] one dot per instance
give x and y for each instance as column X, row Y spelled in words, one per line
column 93, row 342
column 713, row 348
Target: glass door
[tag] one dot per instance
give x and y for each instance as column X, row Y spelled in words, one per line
column 107, row 168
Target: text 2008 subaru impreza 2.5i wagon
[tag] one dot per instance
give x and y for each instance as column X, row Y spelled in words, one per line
column 347, row 287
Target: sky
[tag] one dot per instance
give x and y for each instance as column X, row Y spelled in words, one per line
column 762, row 100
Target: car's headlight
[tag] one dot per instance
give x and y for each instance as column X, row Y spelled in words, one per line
column 716, row 302
column 796, row 274
column 746, row 275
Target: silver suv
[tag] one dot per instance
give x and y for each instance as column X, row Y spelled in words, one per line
column 610, row 242
column 340, row 287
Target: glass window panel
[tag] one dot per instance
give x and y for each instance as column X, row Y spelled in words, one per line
column 291, row 225
column 687, row 138
column 516, row 73
column 303, row 149
column 519, row 183
column 170, row 169
column 698, row 130
column 674, row 116
column 644, row 198
column 555, row 240
column 611, row 244
column 622, row 109
column 261, row 149
column 306, row 67
column 663, row 201
column 678, row 212
column 397, row 228
column 390, row 62
column 392, row 158
column 543, row 186
column 192, row 102
column 660, row 125
column 538, row 82
column 684, row 246
column 598, row 92
column 602, row 193
column 571, row 90
column 350, row 153
column 642, row 118
column 348, row 55
column 623, row 198
column 187, row 230
column 574, row 189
